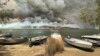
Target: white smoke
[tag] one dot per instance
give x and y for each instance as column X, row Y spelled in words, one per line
column 67, row 10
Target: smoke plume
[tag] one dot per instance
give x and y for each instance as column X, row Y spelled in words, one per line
column 60, row 11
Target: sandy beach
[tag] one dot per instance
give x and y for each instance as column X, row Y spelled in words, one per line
column 25, row 50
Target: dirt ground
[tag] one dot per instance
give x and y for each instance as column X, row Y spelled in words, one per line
column 25, row 50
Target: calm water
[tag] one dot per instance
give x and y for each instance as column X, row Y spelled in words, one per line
column 37, row 32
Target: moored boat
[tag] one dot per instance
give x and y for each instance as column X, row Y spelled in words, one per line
column 79, row 43
column 37, row 40
column 91, row 36
column 95, row 42
column 10, row 41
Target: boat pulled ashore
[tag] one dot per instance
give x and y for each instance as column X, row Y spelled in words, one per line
column 91, row 36
column 37, row 40
column 78, row 43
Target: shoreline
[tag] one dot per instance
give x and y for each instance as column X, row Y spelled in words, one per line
column 25, row 50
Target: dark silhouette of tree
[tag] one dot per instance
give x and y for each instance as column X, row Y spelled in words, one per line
column 4, row 13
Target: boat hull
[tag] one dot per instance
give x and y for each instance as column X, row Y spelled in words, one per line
column 11, row 41
column 37, row 40
column 79, row 43
column 95, row 42
column 92, row 36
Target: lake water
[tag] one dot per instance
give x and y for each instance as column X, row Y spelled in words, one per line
column 63, row 31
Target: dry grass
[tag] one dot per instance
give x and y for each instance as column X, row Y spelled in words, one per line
column 54, row 45
column 24, row 50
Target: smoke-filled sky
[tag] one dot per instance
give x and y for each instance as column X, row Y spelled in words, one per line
column 67, row 11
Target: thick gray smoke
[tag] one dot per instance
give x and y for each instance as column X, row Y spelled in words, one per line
column 67, row 10
column 63, row 11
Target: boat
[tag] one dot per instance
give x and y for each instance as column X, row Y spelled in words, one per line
column 1, row 35
column 78, row 43
column 91, row 36
column 37, row 40
column 11, row 41
column 94, row 41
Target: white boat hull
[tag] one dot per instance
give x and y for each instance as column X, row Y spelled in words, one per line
column 79, row 43
column 92, row 36
column 95, row 42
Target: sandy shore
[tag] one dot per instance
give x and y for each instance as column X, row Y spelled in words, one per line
column 25, row 50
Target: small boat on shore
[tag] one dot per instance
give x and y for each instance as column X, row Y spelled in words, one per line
column 1, row 35
column 37, row 40
column 95, row 42
column 6, row 35
column 78, row 43
column 91, row 36
column 11, row 41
